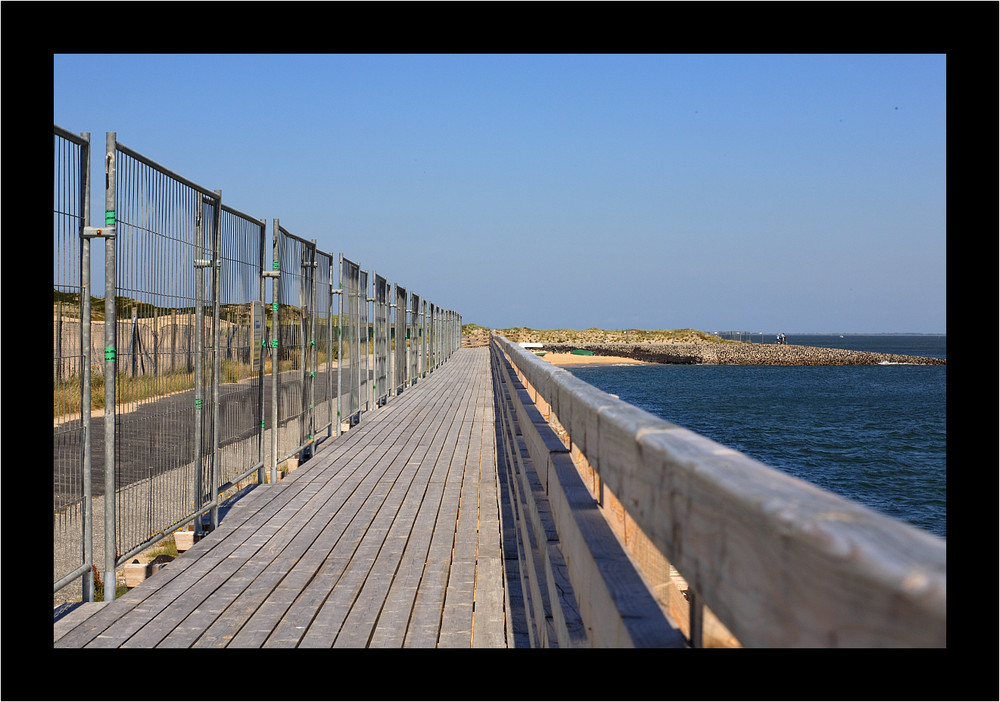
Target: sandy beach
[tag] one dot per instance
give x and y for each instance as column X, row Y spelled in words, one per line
column 572, row 359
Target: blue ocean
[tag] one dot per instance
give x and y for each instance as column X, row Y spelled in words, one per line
column 873, row 434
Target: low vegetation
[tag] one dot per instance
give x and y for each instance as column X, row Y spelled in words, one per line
column 608, row 336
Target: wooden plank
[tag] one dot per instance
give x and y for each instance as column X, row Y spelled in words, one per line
column 117, row 621
column 425, row 387
column 178, row 624
column 456, row 621
column 381, row 589
column 489, row 624
column 363, row 562
column 278, row 604
column 390, row 630
column 429, row 596
column 349, row 525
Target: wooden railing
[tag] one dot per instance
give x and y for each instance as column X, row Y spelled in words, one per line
column 636, row 532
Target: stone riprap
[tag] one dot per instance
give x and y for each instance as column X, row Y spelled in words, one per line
column 744, row 354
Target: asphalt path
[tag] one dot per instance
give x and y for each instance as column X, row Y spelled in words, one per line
column 158, row 435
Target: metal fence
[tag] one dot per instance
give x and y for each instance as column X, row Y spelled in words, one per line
column 349, row 362
column 364, row 343
column 294, row 369
column 203, row 393
column 323, row 389
column 400, row 364
column 381, row 339
column 72, row 489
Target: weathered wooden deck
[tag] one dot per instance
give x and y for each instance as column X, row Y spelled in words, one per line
column 388, row 537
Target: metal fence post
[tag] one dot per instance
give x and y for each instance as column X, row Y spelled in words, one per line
column 110, row 367
column 357, row 343
column 199, row 359
column 261, row 375
column 312, row 347
column 329, row 350
column 216, row 336
column 275, row 334
column 370, row 337
column 340, row 339
column 87, row 585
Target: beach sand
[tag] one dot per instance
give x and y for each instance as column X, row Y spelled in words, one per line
column 572, row 359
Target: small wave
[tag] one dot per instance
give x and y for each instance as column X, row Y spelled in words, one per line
column 897, row 363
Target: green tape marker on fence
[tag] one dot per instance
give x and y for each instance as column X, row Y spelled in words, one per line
column 109, row 218
column 274, row 306
column 312, row 374
column 109, row 353
column 197, row 404
column 274, row 343
column 275, row 265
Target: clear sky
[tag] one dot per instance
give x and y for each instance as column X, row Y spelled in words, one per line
column 795, row 193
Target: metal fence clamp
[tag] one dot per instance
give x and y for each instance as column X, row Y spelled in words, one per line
column 99, row 232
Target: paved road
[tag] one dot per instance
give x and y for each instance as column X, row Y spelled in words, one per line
column 158, row 436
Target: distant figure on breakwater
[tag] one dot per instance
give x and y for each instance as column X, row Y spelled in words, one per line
column 780, row 338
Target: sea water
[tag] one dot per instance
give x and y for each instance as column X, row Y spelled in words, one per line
column 873, row 434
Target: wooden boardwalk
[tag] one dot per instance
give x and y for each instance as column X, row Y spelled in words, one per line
column 388, row 537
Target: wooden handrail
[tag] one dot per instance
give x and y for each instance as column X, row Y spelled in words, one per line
column 779, row 561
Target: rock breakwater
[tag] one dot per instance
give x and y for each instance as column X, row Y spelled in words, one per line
column 744, row 354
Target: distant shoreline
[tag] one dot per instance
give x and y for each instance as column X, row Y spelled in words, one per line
column 733, row 353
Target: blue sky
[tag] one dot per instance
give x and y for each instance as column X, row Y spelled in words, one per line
column 795, row 193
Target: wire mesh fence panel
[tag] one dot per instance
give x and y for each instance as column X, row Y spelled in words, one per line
column 206, row 275
column 71, row 358
column 162, row 457
column 432, row 337
column 400, row 364
column 325, row 348
column 349, row 370
column 241, row 337
column 415, row 334
column 381, row 339
column 364, row 343
column 308, row 374
column 292, row 379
